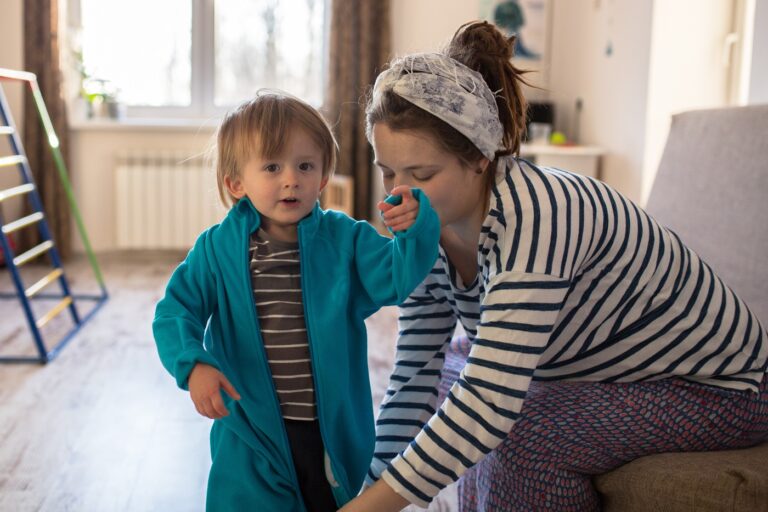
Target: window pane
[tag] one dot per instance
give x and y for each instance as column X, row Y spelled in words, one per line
column 142, row 47
column 266, row 43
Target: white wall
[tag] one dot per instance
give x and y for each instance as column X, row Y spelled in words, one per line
column 410, row 32
column 11, row 46
column 758, row 83
column 601, row 54
column 613, row 89
column 11, row 57
column 687, row 69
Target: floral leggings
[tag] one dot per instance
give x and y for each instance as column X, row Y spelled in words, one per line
column 570, row 431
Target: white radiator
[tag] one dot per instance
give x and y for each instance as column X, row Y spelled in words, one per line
column 165, row 199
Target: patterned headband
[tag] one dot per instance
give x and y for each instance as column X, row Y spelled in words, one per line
column 450, row 91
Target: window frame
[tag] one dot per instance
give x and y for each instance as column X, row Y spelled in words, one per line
column 203, row 66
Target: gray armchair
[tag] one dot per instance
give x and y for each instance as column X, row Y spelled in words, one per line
column 712, row 190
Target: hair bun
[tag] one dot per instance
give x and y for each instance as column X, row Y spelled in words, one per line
column 485, row 40
column 481, row 46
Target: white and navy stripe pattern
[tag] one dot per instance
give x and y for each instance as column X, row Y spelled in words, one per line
column 576, row 283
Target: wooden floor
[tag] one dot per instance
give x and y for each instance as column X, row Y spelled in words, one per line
column 103, row 427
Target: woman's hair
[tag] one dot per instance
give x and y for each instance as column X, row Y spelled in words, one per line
column 263, row 125
column 482, row 47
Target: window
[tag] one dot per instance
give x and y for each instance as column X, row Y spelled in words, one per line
column 196, row 58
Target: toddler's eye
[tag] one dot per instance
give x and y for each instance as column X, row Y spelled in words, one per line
column 306, row 166
column 271, row 167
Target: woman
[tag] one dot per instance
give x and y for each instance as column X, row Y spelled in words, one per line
column 596, row 336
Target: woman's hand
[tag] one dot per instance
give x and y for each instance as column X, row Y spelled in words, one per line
column 379, row 497
column 402, row 216
column 205, row 383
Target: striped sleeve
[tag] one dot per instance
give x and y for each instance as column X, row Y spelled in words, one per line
column 426, row 325
column 517, row 318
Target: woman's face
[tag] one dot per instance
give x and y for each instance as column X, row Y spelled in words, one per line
column 413, row 158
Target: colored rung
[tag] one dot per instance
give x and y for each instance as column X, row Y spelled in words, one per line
column 52, row 313
column 32, row 290
column 24, row 221
column 32, row 253
column 25, row 76
column 16, row 191
column 6, row 161
column 7, row 130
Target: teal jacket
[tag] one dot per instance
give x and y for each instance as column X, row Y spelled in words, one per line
column 348, row 271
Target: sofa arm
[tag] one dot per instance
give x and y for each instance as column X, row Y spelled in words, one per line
column 730, row 480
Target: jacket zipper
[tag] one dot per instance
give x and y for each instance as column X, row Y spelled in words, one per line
column 312, row 353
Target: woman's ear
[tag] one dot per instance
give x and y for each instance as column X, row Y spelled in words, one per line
column 234, row 186
column 482, row 165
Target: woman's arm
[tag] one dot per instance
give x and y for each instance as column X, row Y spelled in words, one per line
column 379, row 497
column 425, row 327
column 517, row 317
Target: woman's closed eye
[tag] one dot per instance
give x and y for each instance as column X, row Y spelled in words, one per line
column 424, row 176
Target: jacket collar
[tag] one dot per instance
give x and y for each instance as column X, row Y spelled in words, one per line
column 245, row 210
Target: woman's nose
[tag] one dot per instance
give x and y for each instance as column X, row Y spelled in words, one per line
column 401, row 180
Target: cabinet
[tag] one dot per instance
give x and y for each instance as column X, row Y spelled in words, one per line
column 581, row 159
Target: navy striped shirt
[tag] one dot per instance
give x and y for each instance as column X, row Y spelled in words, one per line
column 574, row 283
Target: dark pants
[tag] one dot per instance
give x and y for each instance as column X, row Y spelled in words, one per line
column 308, row 458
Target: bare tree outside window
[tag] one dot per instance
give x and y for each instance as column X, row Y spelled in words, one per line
column 144, row 52
column 269, row 44
column 143, row 59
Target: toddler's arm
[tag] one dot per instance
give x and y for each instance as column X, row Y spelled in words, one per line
column 390, row 268
column 182, row 313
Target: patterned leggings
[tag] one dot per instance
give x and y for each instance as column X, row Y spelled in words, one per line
column 570, row 431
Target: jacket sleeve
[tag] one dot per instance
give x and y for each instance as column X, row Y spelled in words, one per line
column 183, row 312
column 517, row 318
column 389, row 269
column 425, row 327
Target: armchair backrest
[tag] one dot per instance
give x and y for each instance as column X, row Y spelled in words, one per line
column 712, row 190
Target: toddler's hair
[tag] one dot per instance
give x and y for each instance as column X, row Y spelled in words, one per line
column 263, row 124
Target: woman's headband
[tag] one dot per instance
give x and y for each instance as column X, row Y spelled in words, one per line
column 450, row 91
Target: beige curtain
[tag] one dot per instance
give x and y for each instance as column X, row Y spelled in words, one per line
column 41, row 57
column 359, row 47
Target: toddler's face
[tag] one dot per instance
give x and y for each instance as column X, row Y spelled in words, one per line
column 284, row 189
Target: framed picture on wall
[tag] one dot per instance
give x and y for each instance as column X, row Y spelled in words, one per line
column 529, row 20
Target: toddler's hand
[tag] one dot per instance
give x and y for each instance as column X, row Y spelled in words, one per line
column 402, row 216
column 205, row 383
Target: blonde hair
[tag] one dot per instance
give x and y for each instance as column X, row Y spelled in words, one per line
column 268, row 118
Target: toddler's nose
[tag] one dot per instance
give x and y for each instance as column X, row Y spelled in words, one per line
column 291, row 179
